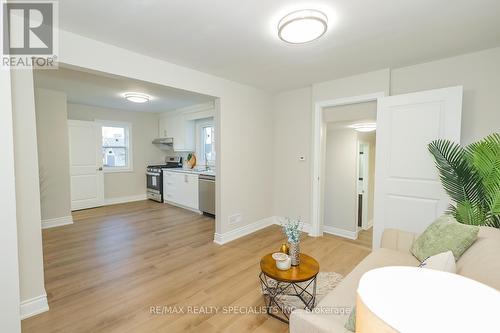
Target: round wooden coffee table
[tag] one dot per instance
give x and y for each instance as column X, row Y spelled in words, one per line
column 279, row 286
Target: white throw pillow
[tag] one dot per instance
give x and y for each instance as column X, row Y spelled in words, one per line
column 444, row 261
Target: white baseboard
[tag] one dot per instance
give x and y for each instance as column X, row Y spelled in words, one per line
column 229, row 236
column 119, row 200
column 183, row 207
column 340, row 232
column 369, row 225
column 34, row 306
column 57, row 222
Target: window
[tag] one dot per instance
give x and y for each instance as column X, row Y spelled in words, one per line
column 116, row 152
column 206, row 145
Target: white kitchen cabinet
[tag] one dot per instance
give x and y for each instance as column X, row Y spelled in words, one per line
column 179, row 128
column 181, row 189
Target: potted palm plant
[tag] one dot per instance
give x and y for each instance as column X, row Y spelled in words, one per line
column 471, row 177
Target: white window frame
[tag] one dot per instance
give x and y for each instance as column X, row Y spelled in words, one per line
column 200, row 124
column 128, row 139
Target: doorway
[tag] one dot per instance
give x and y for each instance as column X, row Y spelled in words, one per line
column 318, row 160
column 348, row 173
column 408, row 193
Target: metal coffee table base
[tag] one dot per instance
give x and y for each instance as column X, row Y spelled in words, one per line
column 274, row 291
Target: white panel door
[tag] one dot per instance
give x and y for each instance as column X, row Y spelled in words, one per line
column 408, row 192
column 87, row 179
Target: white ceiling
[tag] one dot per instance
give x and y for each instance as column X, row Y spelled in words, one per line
column 106, row 91
column 237, row 39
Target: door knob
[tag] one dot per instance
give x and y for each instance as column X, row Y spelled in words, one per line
column 100, row 169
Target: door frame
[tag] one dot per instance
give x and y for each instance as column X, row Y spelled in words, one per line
column 318, row 156
column 365, row 225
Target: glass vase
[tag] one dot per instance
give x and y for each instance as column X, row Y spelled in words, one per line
column 294, row 251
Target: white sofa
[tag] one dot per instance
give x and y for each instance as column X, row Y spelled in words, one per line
column 480, row 262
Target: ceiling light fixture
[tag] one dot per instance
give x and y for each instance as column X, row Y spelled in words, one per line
column 364, row 127
column 136, row 97
column 302, row 26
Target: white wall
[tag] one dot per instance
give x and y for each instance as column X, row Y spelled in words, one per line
column 53, row 153
column 144, row 130
column 292, row 179
column 362, row 84
column 478, row 73
column 340, row 198
column 27, row 186
column 9, row 275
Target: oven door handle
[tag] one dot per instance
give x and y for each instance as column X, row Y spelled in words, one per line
column 152, row 174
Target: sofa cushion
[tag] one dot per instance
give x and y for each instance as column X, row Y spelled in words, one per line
column 442, row 262
column 445, row 234
column 344, row 295
column 480, row 262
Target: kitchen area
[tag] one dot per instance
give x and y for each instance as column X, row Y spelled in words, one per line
column 187, row 177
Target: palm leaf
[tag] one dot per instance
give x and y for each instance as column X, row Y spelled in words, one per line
column 457, row 175
column 485, row 157
column 469, row 213
column 495, row 221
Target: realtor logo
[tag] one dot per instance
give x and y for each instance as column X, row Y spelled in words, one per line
column 29, row 34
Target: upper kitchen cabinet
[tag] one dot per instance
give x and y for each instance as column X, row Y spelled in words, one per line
column 180, row 125
column 179, row 128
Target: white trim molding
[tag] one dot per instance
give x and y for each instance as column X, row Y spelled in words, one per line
column 194, row 210
column 34, row 306
column 57, row 222
column 368, row 226
column 340, row 232
column 248, row 229
column 318, row 144
column 229, row 236
column 120, row 200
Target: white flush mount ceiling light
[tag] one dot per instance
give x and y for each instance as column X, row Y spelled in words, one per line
column 136, row 97
column 364, row 127
column 302, row 26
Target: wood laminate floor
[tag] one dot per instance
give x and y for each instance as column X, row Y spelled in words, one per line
column 106, row 271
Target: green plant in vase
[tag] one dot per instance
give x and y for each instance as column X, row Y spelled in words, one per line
column 471, row 177
column 291, row 229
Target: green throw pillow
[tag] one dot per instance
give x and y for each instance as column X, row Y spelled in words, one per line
column 350, row 324
column 445, row 234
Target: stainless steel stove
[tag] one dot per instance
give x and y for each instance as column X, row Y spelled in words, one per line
column 154, row 177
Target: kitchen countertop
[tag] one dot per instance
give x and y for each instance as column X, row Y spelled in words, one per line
column 191, row 171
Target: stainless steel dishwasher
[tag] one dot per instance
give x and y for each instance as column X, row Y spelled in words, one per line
column 206, row 192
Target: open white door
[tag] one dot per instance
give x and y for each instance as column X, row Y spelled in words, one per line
column 87, row 180
column 408, row 192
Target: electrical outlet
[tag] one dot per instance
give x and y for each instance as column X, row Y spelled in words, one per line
column 235, row 219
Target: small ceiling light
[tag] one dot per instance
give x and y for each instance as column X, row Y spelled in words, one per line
column 302, row 26
column 364, row 127
column 136, row 97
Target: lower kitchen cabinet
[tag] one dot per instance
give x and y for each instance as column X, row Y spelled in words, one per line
column 181, row 189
